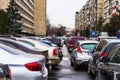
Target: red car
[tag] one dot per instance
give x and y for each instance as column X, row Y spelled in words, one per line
column 73, row 40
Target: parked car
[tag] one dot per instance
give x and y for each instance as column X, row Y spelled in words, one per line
column 26, row 48
column 108, row 68
column 53, row 52
column 60, row 55
column 82, row 53
column 5, row 72
column 55, row 40
column 72, row 40
column 102, row 49
column 23, row 66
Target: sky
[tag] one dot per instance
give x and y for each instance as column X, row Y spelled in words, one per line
column 62, row 12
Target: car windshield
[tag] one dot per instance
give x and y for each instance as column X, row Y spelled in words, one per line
column 89, row 46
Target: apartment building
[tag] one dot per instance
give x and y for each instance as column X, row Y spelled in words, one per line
column 99, row 9
column 33, row 14
column 87, row 15
column 40, row 17
column 4, row 4
column 106, row 11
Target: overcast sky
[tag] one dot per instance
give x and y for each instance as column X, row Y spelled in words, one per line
column 63, row 11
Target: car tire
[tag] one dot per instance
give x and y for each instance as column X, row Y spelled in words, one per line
column 96, row 78
column 71, row 63
column 89, row 70
column 75, row 66
column 5, row 78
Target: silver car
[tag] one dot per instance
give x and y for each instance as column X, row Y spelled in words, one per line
column 82, row 53
column 23, row 67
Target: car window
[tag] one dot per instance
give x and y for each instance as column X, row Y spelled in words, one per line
column 76, row 45
column 114, row 55
column 101, row 45
column 110, row 46
column 89, row 46
column 29, row 43
column 26, row 45
column 9, row 44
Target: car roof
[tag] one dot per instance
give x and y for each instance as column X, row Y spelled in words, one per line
column 88, row 41
column 111, row 40
column 77, row 37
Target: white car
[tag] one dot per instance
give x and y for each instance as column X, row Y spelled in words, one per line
column 53, row 52
column 99, row 38
column 82, row 52
column 22, row 66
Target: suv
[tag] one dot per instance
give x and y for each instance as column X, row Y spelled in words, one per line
column 101, row 49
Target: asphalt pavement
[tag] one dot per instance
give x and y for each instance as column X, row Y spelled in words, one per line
column 64, row 71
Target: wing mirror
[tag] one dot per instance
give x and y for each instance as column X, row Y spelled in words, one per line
column 102, row 59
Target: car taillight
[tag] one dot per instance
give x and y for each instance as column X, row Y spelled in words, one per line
column 55, row 52
column 103, row 54
column 71, row 46
column 9, row 73
column 34, row 66
column 79, row 50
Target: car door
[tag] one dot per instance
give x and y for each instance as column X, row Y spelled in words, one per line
column 98, row 51
column 105, row 67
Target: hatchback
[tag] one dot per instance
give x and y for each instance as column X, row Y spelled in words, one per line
column 82, row 52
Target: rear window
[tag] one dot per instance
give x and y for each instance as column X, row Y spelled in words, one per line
column 89, row 46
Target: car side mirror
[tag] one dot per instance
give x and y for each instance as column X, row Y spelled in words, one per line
column 102, row 59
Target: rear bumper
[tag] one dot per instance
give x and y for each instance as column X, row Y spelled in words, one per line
column 82, row 62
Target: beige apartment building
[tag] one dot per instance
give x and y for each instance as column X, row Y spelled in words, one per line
column 4, row 4
column 33, row 13
column 106, row 11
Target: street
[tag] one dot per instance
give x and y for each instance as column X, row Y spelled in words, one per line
column 64, row 71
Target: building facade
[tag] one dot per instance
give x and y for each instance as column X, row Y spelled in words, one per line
column 4, row 4
column 40, row 17
column 33, row 14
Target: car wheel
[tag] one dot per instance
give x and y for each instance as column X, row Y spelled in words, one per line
column 96, row 78
column 5, row 78
column 75, row 66
column 71, row 63
column 89, row 70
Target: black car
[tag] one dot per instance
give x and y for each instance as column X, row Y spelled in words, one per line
column 5, row 73
column 108, row 68
column 101, row 49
